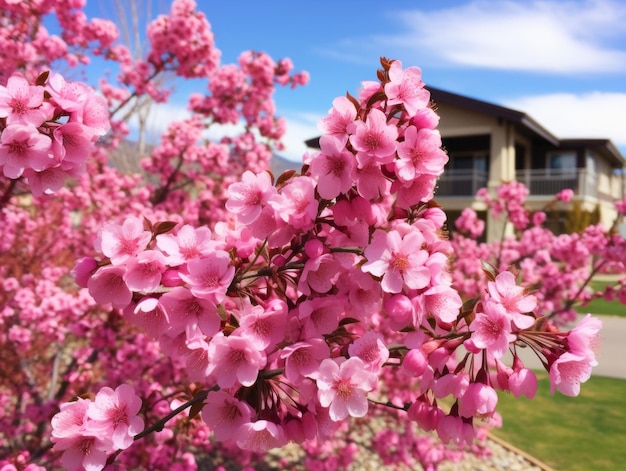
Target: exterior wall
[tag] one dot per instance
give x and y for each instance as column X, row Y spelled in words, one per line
column 455, row 121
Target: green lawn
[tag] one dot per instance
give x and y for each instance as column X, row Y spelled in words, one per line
column 583, row 433
column 601, row 306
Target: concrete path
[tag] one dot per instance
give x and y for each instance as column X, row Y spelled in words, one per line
column 612, row 354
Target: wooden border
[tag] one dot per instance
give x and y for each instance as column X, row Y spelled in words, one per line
column 517, row 451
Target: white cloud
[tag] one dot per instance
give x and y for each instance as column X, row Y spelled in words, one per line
column 300, row 127
column 567, row 115
column 541, row 36
column 159, row 118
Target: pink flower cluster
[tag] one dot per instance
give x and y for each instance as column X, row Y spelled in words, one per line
column 558, row 266
column 171, row 48
column 49, row 128
column 28, row 45
column 87, row 432
column 329, row 293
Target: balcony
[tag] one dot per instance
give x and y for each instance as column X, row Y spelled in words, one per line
column 542, row 182
column 461, row 182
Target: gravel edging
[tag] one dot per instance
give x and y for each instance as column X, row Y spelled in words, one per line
column 503, row 457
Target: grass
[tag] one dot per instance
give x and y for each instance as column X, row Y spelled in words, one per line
column 582, row 433
column 601, row 306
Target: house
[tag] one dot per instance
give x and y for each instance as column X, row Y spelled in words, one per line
column 488, row 144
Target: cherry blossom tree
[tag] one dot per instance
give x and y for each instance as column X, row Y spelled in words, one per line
column 209, row 310
column 257, row 306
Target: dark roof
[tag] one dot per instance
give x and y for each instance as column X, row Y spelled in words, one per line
column 522, row 120
column 313, row 143
column 603, row 146
column 525, row 125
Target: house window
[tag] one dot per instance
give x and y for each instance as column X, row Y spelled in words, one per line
column 469, row 162
column 562, row 162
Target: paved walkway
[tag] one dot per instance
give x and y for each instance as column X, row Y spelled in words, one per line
column 612, row 349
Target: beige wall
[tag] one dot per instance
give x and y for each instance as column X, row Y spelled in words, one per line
column 455, row 121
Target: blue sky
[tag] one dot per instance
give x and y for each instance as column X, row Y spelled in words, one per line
column 563, row 62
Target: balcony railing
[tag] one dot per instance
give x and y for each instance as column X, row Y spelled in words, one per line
column 550, row 181
column 461, row 182
column 540, row 182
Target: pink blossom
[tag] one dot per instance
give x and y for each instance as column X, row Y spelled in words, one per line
column 265, row 328
column 320, row 316
column 296, row 203
column 210, row 276
column 454, row 384
column 114, row 414
column 333, row 167
column 568, row 371
column 491, row 329
column 523, row 382
column 303, row 358
column 455, row 429
column 343, row 387
column 20, row 102
column 149, row 315
column 94, row 114
column 620, row 206
column 406, row 87
column 235, row 360
column 72, row 144
column 368, row 89
column 260, row 436
column 398, row 260
column 374, row 139
column 107, row 286
column 70, row 420
column 84, row 268
column 513, row 299
column 120, row 242
column 339, row 122
column 187, row 312
column 415, row 362
column 143, row 272
column 319, row 274
column 69, row 96
column 426, row 415
column 45, row 182
column 419, row 190
column 538, row 218
column 371, row 349
column 247, row 197
column 420, row 153
column 565, row 195
column 225, row 414
column 478, row 400
column 441, row 302
column 188, row 243
column 195, row 350
column 469, row 223
column 82, row 448
column 23, row 147
column 371, row 183
column 583, row 339
column 365, row 294
column 401, row 310
column 425, row 118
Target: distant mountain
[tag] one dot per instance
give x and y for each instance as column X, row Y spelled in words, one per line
column 126, row 159
column 279, row 164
